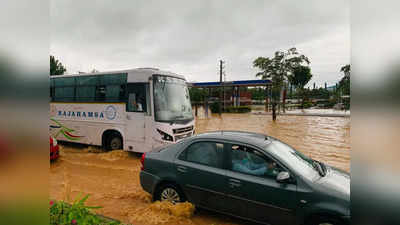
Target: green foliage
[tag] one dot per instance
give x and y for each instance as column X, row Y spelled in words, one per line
column 197, row 94
column 344, row 86
column 320, row 93
column 346, row 70
column 257, row 93
column 56, row 67
column 300, row 77
column 214, row 107
column 61, row 213
column 238, row 109
column 307, row 105
column 346, row 103
column 344, row 83
column 279, row 68
column 331, row 103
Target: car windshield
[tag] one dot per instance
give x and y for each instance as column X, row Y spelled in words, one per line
column 171, row 100
column 302, row 164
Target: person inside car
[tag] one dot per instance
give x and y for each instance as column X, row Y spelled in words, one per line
column 245, row 164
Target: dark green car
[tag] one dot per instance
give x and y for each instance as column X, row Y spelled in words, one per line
column 248, row 175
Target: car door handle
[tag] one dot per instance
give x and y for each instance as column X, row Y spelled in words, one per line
column 234, row 183
column 181, row 169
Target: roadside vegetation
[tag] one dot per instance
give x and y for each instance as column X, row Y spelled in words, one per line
column 214, row 107
column 62, row 213
column 289, row 71
column 56, row 67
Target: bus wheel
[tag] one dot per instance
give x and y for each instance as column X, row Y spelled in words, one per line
column 114, row 142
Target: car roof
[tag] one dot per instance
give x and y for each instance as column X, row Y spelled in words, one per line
column 260, row 140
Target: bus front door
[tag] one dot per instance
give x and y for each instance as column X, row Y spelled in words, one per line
column 135, row 118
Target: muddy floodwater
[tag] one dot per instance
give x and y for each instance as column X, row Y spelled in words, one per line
column 112, row 178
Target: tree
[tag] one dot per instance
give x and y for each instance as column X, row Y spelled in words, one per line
column 318, row 93
column 346, row 70
column 197, row 95
column 56, row 67
column 299, row 78
column 344, row 83
column 278, row 69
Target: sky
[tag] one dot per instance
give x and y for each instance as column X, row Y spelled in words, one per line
column 190, row 37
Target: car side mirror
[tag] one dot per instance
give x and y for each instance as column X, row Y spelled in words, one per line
column 283, row 177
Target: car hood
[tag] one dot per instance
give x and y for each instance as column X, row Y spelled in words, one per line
column 336, row 183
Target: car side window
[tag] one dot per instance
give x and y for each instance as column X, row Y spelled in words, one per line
column 205, row 153
column 250, row 161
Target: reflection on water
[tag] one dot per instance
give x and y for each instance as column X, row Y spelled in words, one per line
column 112, row 179
column 201, row 112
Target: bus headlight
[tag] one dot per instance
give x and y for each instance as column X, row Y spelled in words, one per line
column 165, row 136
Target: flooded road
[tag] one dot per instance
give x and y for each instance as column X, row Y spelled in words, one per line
column 112, row 178
column 323, row 138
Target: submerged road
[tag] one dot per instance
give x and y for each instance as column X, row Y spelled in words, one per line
column 112, row 178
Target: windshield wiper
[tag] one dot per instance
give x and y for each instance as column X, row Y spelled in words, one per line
column 319, row 167
column 323, row 167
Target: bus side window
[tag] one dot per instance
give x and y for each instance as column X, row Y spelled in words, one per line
column 132, row 102
column 136, row 98
column 52, row 89
column 100, row 93
column 122, row 93
column 113, row 93
column 64, row 89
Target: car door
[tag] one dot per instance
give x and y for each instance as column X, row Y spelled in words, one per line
column 199, row 171
column 253, row 190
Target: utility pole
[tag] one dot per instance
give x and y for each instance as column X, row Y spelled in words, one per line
column 221, row 68
column 223, row 90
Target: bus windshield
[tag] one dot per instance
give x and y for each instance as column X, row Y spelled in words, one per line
column 171, row 100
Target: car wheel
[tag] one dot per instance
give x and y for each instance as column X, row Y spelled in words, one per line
column 171, row 193
column 114, row 142
column 326, row 221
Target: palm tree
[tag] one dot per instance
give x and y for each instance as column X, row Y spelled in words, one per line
column 346, row 70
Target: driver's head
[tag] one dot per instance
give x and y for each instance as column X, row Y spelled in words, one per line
column 271, row 165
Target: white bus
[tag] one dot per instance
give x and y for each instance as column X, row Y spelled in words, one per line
column 135, row 110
